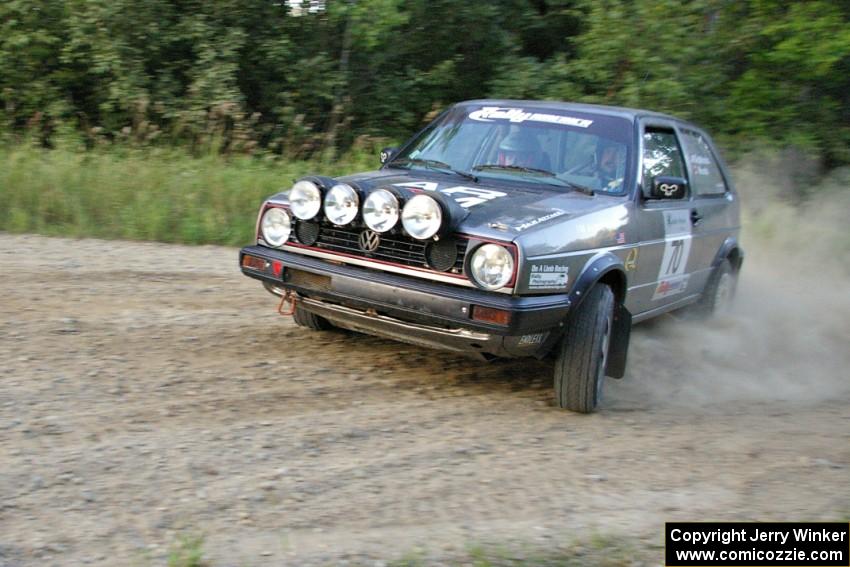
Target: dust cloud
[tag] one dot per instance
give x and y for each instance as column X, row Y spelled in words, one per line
column 788, row 340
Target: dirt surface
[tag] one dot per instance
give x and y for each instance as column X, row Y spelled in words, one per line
column 149, row 391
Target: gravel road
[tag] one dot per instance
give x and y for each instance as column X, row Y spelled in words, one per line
column 149, row 392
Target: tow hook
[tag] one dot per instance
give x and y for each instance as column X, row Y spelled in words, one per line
column 289, row 298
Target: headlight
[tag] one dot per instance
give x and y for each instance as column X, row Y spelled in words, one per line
column 380, row 210
column 422, row 217
column 492, row 266
column 305, row 200
column 341, row 204
column 276, row 226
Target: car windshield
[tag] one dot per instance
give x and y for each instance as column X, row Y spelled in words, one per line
column 574, row 150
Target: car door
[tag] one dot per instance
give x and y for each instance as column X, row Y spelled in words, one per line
column 714, row 213
column 662, row 272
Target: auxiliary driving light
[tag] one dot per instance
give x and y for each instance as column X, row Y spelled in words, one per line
column 422, row 217
column 380, row 210
column 305, row 200
column 276, row 226
column 341, row 204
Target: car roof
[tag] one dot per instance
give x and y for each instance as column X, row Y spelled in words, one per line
column 620, row 111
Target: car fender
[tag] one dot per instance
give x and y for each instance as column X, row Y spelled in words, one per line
column 732, row 250
column 608, row 268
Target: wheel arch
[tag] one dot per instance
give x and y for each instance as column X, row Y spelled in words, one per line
column 605, row 268
column 730, row 250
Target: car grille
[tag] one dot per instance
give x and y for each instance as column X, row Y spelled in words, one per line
column 397, row 248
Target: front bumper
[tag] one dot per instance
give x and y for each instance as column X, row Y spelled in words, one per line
column 410, row 309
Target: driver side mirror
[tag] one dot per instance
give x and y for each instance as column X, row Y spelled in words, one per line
column 387, row 154
column 667, row 187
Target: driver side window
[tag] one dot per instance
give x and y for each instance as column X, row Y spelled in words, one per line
column 661, row 155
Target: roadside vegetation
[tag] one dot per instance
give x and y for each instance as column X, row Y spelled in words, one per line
column 164, row 195
column 159, row 120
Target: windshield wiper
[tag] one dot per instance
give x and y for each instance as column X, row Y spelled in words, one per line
column 435, row 165
column 542, row 172
column 580, row 188
column 514, row 168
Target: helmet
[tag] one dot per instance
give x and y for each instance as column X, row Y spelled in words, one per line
column 519, row 148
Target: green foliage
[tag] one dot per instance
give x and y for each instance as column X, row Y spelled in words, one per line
column 311, row 79
column 765, row 72
column 795, row 86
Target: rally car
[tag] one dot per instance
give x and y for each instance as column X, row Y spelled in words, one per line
column 512, row 229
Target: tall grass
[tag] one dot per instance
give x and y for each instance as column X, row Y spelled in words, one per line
column 147, row 194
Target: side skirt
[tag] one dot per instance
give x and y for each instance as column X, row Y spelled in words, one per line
column 664, row 309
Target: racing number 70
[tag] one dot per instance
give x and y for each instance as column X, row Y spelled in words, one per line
column 678, row 247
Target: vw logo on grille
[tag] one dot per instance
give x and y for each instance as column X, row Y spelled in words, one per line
column 369, row 240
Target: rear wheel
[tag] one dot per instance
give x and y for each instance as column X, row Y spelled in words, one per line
column 304, row 318
column 583, row 355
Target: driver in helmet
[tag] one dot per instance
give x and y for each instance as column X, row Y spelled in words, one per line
column 521, row 149
column 610, row 165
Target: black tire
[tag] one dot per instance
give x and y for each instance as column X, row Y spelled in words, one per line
column 580, row 366
column 304, row 318
column 719, row 293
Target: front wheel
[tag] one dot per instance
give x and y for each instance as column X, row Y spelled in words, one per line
column 583, row 355
column 719, row 294
column 304, row 318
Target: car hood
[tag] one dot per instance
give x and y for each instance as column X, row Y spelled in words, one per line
column 496, row 209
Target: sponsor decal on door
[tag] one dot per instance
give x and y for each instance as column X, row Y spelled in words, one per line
column 672, row 278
